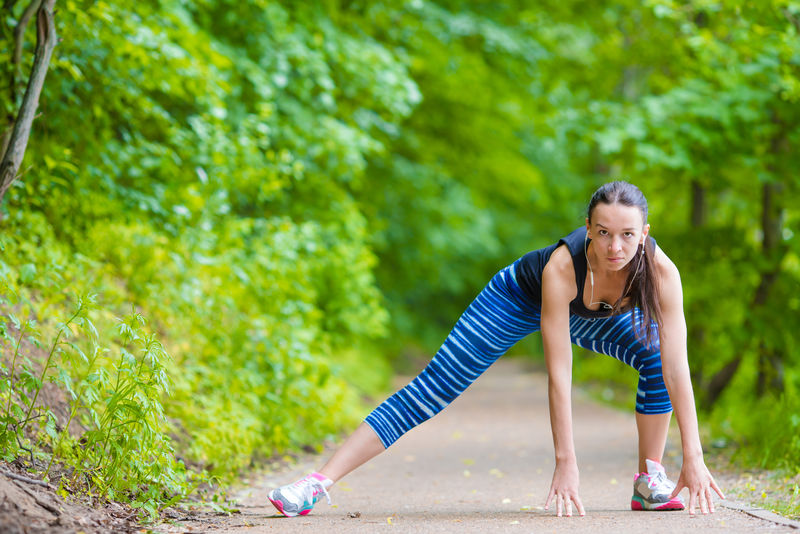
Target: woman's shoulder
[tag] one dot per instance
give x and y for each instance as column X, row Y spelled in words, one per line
column 559, row 269
column 560, row 259
column 666, row 268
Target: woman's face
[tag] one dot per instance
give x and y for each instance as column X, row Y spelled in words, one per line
column 616, row 232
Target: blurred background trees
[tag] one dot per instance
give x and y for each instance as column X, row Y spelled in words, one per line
column 299, row 194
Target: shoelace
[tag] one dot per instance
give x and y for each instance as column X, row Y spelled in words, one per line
column 659, row 478
column 307, row 486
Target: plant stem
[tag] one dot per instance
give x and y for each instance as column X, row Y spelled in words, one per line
column 11, row 378
column 47, row 363
column 73, row 412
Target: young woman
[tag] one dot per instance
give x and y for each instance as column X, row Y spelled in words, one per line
column 606, row 287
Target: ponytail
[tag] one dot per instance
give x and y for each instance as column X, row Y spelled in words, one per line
column 642, row 283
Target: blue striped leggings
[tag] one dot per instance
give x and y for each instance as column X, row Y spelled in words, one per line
column 500, row 316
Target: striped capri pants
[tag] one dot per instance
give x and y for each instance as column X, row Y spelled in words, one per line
column 500, row 316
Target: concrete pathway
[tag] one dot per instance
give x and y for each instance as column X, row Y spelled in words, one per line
column 484, row 465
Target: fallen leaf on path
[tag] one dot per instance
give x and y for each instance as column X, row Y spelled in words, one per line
column 524, row 508
column 457, row 435
column 496, row 472
column 515, row 522
column 468, row 461
column 467, row 473
column 354, row 515
column 506, row 500
column 614, row 481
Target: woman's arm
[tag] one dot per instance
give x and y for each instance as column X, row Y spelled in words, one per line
column 558, row 289
column 675, row 366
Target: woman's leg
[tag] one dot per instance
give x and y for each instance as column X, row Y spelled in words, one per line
column 652, row 437
column 615, row 336
column 497, row 318
column 362, row 446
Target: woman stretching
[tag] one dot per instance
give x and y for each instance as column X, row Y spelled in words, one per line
column 606, row 287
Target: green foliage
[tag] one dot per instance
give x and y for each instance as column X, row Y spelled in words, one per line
column 290, row 191
column 203, row 182
column 741, row 422
column 696, row 103
column 114, row 440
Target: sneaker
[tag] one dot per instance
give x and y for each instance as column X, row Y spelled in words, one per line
column 299, row 498
column 651, row 490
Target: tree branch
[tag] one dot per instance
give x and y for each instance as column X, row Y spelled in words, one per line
column 6, row 137
column 19, row 31
column 19, row 478
column 45, row 43
column 791, row 18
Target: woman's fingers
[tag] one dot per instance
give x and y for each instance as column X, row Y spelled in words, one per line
column 710, row 500
column 701, row 496
column 579, row 506
column 566, row 504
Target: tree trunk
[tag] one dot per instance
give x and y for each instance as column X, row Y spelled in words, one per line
column 699, row 210
column 45, row 42
column 720, row 381
column 697, row 333
column 770, row 361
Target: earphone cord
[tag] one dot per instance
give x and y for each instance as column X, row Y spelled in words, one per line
column 606, row 305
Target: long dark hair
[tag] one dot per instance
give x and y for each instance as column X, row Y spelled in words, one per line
column 642, row 283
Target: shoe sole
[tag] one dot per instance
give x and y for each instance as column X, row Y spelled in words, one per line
column 639, row 504
column 279, row 506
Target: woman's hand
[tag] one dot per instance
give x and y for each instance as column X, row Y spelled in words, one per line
column 564, row 489
column 696, row 477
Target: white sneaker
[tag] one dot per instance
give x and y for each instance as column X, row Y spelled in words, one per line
column 300, row 497
column 651, row 490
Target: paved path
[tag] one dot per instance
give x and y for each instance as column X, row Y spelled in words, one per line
column 484, row 465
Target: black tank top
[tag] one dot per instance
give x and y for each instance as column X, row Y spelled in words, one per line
column 531, row 265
